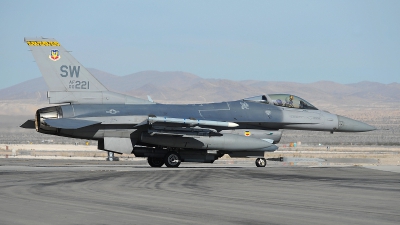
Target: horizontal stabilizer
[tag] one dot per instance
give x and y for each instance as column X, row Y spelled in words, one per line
column 29, row 124
column 66, row 123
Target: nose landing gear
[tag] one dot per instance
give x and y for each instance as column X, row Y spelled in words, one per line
column 261, row 162
column 110, row 157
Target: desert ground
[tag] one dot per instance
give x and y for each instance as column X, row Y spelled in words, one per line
column 285, row 155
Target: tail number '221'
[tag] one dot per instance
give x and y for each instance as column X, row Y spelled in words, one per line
column 76, row 84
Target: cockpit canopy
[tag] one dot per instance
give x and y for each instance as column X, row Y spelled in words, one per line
column 284, row 100
column 291, row 101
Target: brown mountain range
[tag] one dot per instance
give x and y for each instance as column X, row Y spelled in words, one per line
column 182, row 87
column 375, row 103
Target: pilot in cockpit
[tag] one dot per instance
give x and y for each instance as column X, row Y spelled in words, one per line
column 289, row 102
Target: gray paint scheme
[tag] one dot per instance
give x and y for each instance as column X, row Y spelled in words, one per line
column 125, row 124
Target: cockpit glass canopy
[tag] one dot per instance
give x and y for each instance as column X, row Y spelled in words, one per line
column 259, row 98
column 290, row 101
column 284, row 100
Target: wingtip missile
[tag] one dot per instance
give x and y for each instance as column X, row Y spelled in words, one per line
column 191, row 122
column 230, row 124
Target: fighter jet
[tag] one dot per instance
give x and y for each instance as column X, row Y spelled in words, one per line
column 167, row 133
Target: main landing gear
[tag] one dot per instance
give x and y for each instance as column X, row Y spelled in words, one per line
column 261, row 162
column 171, row 159
column 155, row 162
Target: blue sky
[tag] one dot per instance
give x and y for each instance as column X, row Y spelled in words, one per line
column 299, row 41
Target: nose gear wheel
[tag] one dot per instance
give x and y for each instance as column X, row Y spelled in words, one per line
column 261, row 162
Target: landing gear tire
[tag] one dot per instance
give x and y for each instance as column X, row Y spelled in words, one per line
column 261, row 162
column 172, row 159
column 155, row 162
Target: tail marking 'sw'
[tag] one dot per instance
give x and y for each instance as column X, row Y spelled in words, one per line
column 68, row 80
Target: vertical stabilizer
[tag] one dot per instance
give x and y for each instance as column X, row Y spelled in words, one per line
column 68, row 80
column 60, row 70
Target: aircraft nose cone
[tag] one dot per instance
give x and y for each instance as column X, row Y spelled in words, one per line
column 350, row 125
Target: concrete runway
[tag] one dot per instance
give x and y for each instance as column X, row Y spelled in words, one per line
column 99, row 192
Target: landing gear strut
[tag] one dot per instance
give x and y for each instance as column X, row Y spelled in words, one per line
column 172, row 159
column 110, row 157
column 261, row 162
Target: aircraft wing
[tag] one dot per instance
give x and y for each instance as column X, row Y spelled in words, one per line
column 66, row 123
column 159, row 125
